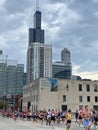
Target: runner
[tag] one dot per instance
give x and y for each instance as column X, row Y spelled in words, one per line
column 76, row 116
column 87, row 115
column 96, row 120
column 69, row 117
column 80, row 116
column 15, row 114
column 58, row 118
column 52, row 118
column 48, row 119
column 41, row 117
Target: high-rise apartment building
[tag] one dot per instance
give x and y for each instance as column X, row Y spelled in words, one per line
column 40, row 61
column 66, row 56
column 39, row 55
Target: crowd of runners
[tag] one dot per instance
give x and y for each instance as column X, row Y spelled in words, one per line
column 84, row 116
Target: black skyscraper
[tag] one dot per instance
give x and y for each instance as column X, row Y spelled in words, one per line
column 36, row 34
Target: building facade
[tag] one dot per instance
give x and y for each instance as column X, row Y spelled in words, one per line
column 61, row 70
column 50, row 93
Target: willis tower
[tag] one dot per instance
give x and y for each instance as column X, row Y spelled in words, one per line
column 36, row 34
column 39, row 55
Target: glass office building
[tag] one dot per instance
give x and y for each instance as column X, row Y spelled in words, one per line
column 61, row 70
column 11, row 78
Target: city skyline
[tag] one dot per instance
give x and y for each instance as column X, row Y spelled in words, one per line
column 68, row 24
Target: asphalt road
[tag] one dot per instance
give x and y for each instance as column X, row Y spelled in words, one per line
column 10, row 124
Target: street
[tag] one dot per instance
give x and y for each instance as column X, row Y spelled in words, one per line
column 10, row 124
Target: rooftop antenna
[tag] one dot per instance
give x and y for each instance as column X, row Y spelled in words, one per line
column 37, row 5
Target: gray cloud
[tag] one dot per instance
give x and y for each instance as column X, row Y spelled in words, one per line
column 15, row 6
column 79, row 33
column 56, row 1
column 67, row 23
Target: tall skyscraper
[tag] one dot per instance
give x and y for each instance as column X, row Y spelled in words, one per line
column 66, row 56
column 36, row 34
column 39, row 55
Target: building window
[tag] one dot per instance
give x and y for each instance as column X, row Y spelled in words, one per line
column 95, row 88
column 96, row 98
column 95, row 107
column 87, row 87
column 67, row 87
column 88, row 98
column 80, row 87
column 64, row 107
column 80, row 98
column 64, row 98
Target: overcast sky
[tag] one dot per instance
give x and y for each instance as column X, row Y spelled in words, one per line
column 71, row 24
